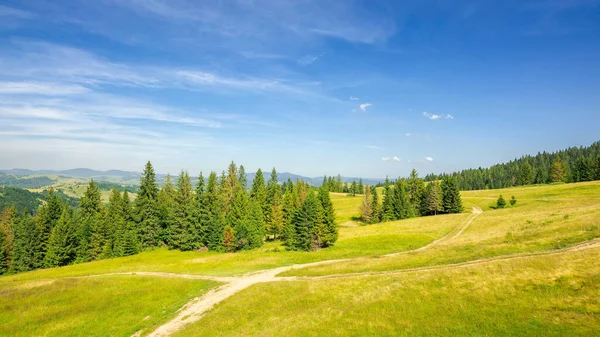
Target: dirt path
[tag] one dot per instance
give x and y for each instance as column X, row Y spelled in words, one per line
column 195, row 309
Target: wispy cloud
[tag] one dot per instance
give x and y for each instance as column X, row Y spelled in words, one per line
column 436, row 117
column 394, row 158
column 308, row 59
column 374, row 147
column 41, row 88
column 15, row 13
column 364, row 106
column 386, row 158
column 428, row 158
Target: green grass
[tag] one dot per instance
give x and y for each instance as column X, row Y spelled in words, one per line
column 542, row 296
column 346, row 207
column 570, row 216
column 97, row 306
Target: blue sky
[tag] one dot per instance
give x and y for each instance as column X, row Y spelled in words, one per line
column 361, row 88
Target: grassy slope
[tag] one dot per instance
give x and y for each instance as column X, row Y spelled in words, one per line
column 98, row 306
column 545, row 218
column 542, row 296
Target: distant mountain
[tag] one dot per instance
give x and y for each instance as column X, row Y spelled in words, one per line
column 133, row 178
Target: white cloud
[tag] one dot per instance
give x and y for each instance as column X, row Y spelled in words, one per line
column 395, row 158
column 364, row 106
column 436, row 117
column 428, row 158
column 308, row 59
column 41, row 88
column 386, row 158
column 354, row 98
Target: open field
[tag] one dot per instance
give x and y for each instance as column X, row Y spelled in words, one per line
column 530, row 269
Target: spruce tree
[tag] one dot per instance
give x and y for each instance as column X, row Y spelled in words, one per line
column 403, row 209
column 62, row 248
column 328, row 233
column 451, row 200
column 557, row 172
column 304, row 222
column 114, row 223
column 366, row 207
column 276, row 217
column 259, row 194
column 165, row 210
column 201, row 228
column 361, row 186
column 375, row 206
column 3, row 254
column 254, row 225
column 91, row 233
column 184, row 235
column 47, row 218
column 273, row 187
column 353, row 188
column 431, row 203
column 387, row 208
column 147, row 219
column 289, row 209
column 243, row 178
column 238, row 215
column 8, row 223
column 211, row 215
column 26, row 247
column 501, row 203
column 525, row 174
column 131, row 244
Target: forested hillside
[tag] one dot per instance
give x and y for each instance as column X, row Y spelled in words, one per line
column 26, row 201
column 576, row 164
column 24, row 182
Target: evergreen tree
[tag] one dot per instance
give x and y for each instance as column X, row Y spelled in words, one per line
column 47, row 218
column 201, row 227
column 3, row 254
column 501, row 203
column 62, row 247
column 165, row 211
column 253, row 227
column 148, row 222
column 8, row 223
column 115, row 225
column 525, row 174
column 416, row 191
column 131, row 244
column 451, row 200
column 273, row 187
column 557, row 173
column 375, row 206
column 229, row 243
column 387, row 211
column 211, row 215
column 276, row 217
column 366, row 207
column 353, row 188
column 243, row 178
column 327, row 229
column 304, row 222
column 361, row 186
column 403, row 209
column 91, row 234
column 513, row 201
column 26, row 247
column 185, row 235
column 290, row 205
column 430, row 204
column 259, row 194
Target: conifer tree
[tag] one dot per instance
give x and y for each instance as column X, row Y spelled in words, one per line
column 366, row 207
column 304, row 222
column 451, row 200
column 201, row 228
column 148, row 222
column 26, row 247
column 353, row 188
column 273, row 187
column 131, row 244
column 290, row 205
column 259, row 194
column 165, row 211
column 403, row 209
column 387, row 209
column 8, row 223
column 375, row 206
column 243, row 178
column 557, row 173
column 276, row 217
column 47, row 218
column 501, row 203
column 115, row 224
column 254, row 226
column 525, row 174
column 91, row 233
column 3, row 254
column 211, row 215
column 184, row 234
column 229, row 243
column 62, row 247
column 328, row 233
column 431, row 203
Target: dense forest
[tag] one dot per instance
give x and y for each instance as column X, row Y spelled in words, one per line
column 408, row 198
column 219, row 214
column 572, row 165
column 9, row 180
column 26, row 201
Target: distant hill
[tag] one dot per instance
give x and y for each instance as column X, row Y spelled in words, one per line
column 25, row 200
column 133, row 178
column 10, row 180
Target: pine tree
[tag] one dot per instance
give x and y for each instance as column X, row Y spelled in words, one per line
column 375, row 206
column 259, row 194
column 229, row 242
column 416, row 191
column 47, row 218
column 165, row 210
column 304, row 222
column 273, row 187
column 243, row 178
column 238, row 215
column 451, row 200
column 131, row 244
column 328, row 233
column 290, row 205
column 430, row 204
column 525, row 174
column 276, row 217
column 211, row 215
column 201, row 228
column 26, row 247
column 557, row 172
column 8, row 223
column 366, row 208
column 3, row 254
column 387, row 209
column 361, row 186
column 501, row 203
column 148, row 222
column 62, row 248
column 115, row 225
column 353, row 188
column 91, row 234
column 403, row 209
column 183, row 235
column 254, row 226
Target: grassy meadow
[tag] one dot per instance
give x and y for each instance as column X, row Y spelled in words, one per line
column 368, row 294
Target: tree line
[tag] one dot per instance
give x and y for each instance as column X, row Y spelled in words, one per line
column 412, row 197
column 575, row 164
column 218, row 214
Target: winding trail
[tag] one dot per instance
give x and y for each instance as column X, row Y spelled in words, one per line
column 194, row 310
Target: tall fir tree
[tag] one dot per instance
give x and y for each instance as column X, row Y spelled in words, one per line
column 403, row 209
column 387, row 209
column 184, row 235
column 8, row 223
column 303, row 223
column 375, row 205
column 148, row 222
column 26, row 247
column 525, row 174
column 131, row 243
column 451, row 200
column 165, row 210
column 366, row 207
column 557, row 173
column 243, row 178
column 258, row 192
column 431, row 204
column 47, row 218
column 62, row 247
column 275, row 219
column 90, row 234
column 212, row 216
column 328, row 233
column 290, row 205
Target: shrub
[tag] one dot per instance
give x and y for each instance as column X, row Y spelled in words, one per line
column 513, row 201
column 501, row 203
